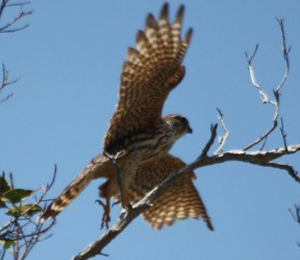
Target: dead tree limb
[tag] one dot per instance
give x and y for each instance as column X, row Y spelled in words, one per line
column 276, row 92
column 5, row 82
column 261, row 158
column 296, row 216
column 9, row 28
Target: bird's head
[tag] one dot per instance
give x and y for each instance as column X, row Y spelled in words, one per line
column 179, row 124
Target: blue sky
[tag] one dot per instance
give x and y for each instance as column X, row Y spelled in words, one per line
column 70, row 60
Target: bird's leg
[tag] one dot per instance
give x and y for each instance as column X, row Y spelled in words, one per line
column 113, row 160
column 120, row 185
column 126, row 201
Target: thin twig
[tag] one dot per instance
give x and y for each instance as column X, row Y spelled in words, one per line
column 223, row 139
column 263, row 144
column 3, row 254
column 283, row 134
column 264, row 97
column 285, row 51
column 213, row 130
column 2, row 7
column 15, row 228
column 6, row 83
column 19, row 16
column 18, row 4
column 296, row 215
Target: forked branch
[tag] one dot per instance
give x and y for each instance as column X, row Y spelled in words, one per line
column 5, row 82
column 8, row 27
column 22, row 232
column 261, row 158
column 264, row 97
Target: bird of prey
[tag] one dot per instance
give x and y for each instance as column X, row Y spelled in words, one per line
column 138, row 134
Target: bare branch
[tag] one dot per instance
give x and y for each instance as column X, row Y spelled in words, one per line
column 7, row 27
column 283, row 134
column 26, row 238
column 296, row 215
column 125, row 219
column 262, row 158
column 286, row 52
column 264, row 144
column 5, row 82
column 223, row 139
column 264, row 97
column 6, row 98
column 18, row 4
column 263, row 137
column 213, row 130
column 2, row 254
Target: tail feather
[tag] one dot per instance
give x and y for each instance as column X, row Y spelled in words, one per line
column 67, row 196
column 98, row 167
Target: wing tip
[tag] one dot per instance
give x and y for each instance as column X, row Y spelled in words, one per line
column 210, row 225
column 164, row 14
column 140, row 36
column 180, row 13
column 151, row 22
column 188, row 36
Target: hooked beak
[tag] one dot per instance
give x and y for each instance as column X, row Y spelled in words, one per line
column 190, row 130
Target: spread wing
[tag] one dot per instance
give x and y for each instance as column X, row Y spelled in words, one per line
column 152, row 70
column 180, row 201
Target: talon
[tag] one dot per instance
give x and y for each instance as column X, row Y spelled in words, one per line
column 105, row 221
column 106, row 215
column 115, row 203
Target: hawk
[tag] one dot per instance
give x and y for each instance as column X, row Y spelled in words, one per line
column 137, row 133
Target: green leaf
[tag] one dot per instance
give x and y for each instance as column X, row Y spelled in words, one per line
column 27, row 210
column 16, row 195
column 4, row 186
column 7, row 243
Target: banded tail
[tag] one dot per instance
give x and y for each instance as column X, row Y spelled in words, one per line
column 97, row 168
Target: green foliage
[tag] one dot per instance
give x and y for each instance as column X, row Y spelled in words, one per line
column 4, row 186
column 21, row 231
column 7, row 243
column 16, row 195
column 27, row 210
column 9, row 195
